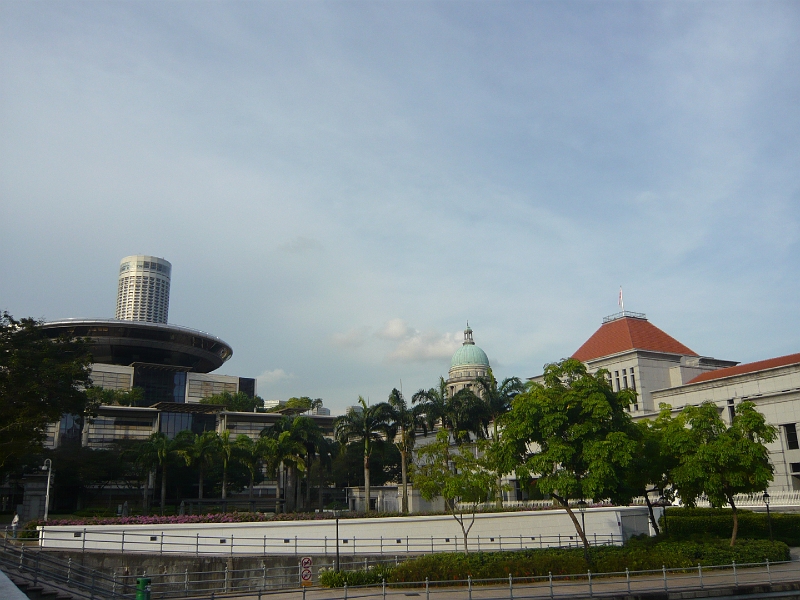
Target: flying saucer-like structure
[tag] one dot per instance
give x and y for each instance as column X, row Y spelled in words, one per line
column 117, row 342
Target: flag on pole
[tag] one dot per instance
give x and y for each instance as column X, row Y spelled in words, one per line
column 621, row 302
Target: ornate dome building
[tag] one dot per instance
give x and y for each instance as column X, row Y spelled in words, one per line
column 469, row 362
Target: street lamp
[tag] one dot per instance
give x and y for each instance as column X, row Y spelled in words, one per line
column 664, row 503
column 765, row 497
column 48, row 466
column 336, row 513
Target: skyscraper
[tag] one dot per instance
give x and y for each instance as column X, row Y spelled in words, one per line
column 143, row 290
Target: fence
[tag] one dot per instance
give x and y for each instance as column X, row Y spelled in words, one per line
column 128, row 540
column 781, row 576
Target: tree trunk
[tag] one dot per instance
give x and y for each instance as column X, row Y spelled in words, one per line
column 499, row 482
column 578, row 528
column 224, row 480
column 307, row 503
column 404, row 475
column 735, row 521
column 288, row 490
column 163, row 487
column 366, row 482
column 652, row 516
column 321, row 481
column 200, row 485
column 464, row 530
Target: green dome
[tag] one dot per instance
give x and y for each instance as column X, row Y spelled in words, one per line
column 469, row 354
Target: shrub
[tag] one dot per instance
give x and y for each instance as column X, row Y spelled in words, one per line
column 637, row 555
column 373, row 575
column 698, row 523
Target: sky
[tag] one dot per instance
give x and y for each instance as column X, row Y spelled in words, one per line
column 340, row 186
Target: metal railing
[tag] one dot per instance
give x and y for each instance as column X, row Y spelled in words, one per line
column 768, row 575
column 230, row 544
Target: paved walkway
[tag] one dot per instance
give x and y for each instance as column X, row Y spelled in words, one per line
column 610, row 586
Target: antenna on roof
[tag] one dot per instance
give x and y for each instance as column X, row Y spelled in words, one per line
column 621, row 301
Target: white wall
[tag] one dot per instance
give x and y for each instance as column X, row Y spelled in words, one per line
column 391, row 535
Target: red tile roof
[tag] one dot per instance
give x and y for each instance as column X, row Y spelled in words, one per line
column 629, row 333
column 761, row 365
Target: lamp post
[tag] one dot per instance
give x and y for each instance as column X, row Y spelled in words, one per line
column 48, row 466
column 336, row 512
column 664, row 503
column 765, row 497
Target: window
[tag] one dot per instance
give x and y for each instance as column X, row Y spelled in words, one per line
column 791, row 437
column 633, row 380
column 616, row 376
column 625, row 378
column 795, row 468
column 731, row 410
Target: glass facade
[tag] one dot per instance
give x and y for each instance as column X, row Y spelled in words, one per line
column 173, row 423
column 160, row 385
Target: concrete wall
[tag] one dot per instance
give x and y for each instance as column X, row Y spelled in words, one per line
column 388, row 536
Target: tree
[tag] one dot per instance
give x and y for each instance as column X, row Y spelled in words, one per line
column 158, row 450
column 455, row 475
column 573, row 433
column 404, row 422
column 653, row 462
column 433, row 404
column 719, row 460
column 131, row 397
column 238, row 402
column 281, row 448
column 198, row 450
column 498, row 402
column 368, row 426
column 250, row 454
column 41, row 379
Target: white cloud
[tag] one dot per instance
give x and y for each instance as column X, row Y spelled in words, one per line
column 395, row 329
column 274, row 376
column 352, row 338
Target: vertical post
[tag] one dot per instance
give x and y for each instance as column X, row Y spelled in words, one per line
column 664, row 571
column 559, row 540
column 345, row 590
column 114, row 585
column 550, row 577
column 406, row 544
column 122, row 547
column 735, row 576
column 469, row 586
column 500, row 542
column 700, row 574
column 595, row 538
column 431, row 544
column 591, row 592
column 295, row 545
column 263, row 575
column 232, row 545
column 628, row 579
column 304, row 592
column 381, row 545
column 510, row 587
column 479, row 542
column 769, row 574
column 161, row 546
column 225, row 586
column 383, row 585
column 520, row 542
column 354, row 544
column 197, row 545
column 265, row 545
column 326, row 546
column 83, row 542
column 427, row 590
column 186, row 580
column 69, row 569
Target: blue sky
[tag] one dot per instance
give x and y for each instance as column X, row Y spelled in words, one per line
column 341, row 185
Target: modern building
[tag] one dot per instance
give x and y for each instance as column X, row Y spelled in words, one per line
column 468, row 363
column 641, row 357
column 143, row 289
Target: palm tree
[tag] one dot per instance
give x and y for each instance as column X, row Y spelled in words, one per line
column 198, row 450
column 157, row 451
column 327, row 450
column 404, row 423
column 498, row 402
column 226, row 446
column 368, row 426
column 467, row 414
column 285, row 448
column 434, row 405
column 250, row 454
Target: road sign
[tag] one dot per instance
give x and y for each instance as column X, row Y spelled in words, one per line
column 305, row 571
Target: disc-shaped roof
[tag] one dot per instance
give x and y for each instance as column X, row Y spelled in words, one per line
column 117, row 342
column 629, row 333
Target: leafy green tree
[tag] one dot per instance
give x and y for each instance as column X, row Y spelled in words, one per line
column 238, row 402
column 367, row 427
column 404, row 422
column 717, row 460
column 455, row 475
column 250, row 454
column 468, row 415
column 226, row 448
column 497, row 399
column 653, row 462
column 131, row 397
column 573, row 433
column 41, row 379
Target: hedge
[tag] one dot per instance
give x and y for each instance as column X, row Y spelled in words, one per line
column 691, row 523
column 636, row 555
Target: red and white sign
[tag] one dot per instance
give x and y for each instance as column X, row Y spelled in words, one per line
column 305, row 571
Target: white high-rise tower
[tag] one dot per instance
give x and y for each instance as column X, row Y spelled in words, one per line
column 143, row 291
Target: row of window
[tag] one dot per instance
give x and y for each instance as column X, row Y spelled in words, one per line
column 144, row 264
